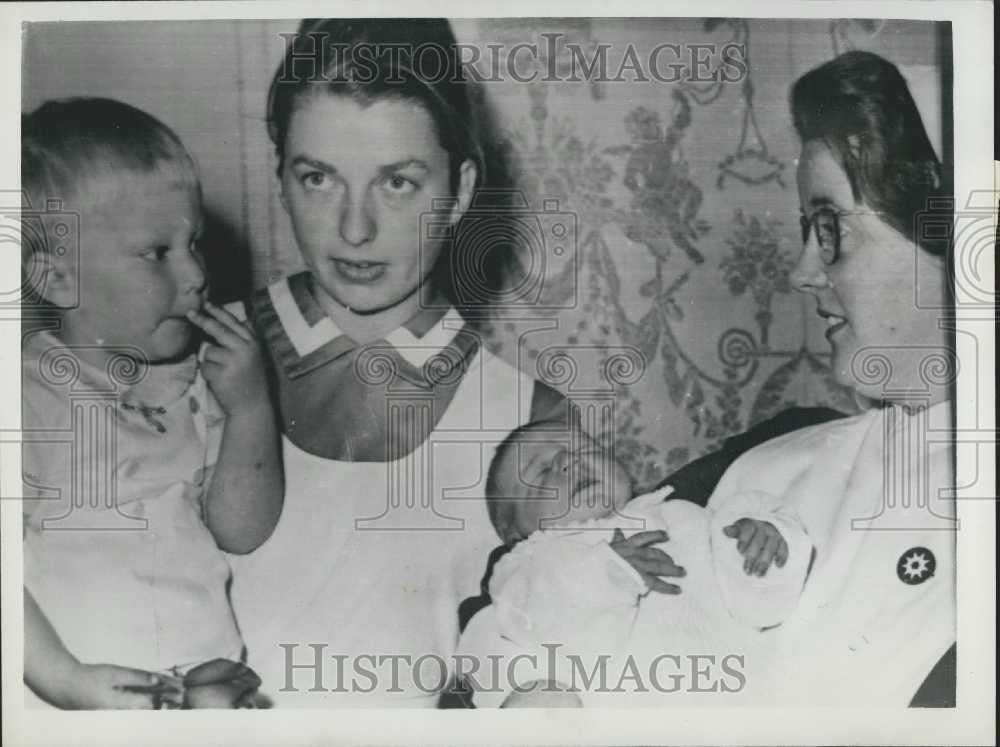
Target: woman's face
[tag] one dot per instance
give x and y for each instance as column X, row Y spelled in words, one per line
column 868, row 295
column 355, row 183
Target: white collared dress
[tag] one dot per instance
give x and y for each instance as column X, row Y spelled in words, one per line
column 352, row 602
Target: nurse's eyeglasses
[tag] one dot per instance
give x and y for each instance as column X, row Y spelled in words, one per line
column 826, row 221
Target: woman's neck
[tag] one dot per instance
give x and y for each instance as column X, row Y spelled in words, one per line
column 368, row 327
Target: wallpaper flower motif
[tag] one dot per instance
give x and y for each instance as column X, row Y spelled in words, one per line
column 757, row 265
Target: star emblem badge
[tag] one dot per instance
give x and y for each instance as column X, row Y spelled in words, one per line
column 916, row 565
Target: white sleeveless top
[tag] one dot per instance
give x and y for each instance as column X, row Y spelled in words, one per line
column 352, row 602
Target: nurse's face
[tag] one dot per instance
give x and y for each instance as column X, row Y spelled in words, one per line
column 355, row 182
column 867, row 296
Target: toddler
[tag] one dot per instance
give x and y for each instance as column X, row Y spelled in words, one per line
column 148, row 461
column 732, row 570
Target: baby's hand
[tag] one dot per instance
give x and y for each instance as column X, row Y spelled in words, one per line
column 104, row 686
column 650, row 562
column 760, row 542
column 233, row 366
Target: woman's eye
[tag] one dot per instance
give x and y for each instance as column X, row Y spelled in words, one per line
column 399, row 185
column 316, row 180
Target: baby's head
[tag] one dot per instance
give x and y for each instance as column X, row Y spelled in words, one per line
column 127, row 270
column 536, row 480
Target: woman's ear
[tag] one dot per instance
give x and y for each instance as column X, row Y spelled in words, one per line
column 281, row 195
column 854, row 145
column 280, row 183
column 467, row 174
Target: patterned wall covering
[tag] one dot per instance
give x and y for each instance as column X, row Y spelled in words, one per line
column 673, row 281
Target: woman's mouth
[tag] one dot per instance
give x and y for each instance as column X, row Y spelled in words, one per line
column 358, row 272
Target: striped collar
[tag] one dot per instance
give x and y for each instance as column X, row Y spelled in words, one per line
column 303, row 338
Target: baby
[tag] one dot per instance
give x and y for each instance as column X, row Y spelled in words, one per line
column 170, row 459
column 585, row 585
column 537, row 482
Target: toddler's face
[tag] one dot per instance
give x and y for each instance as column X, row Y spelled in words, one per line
column 555, row 484
column 139, row 270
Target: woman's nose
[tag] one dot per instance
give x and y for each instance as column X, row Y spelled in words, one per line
column 810, row 272
column 357, row 225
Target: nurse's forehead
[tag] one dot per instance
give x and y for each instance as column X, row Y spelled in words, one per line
column 821, row 179
column 386, row 130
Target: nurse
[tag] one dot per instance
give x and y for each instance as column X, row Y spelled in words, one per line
column 874, row 625
column 390, row 405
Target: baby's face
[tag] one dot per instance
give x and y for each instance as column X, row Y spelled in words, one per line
column 556, row 485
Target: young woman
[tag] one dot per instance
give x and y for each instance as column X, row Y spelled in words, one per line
column 391, row 406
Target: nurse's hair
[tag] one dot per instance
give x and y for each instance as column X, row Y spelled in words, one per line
column 373, row 59
column 860, row 106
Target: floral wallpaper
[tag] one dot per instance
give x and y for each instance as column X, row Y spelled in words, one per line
column 665, row 304
column 687, row 224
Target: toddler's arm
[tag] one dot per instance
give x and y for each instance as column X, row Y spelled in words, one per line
column 244, row 500
column 56, row 676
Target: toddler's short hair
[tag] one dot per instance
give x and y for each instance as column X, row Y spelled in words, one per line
column 72, row 149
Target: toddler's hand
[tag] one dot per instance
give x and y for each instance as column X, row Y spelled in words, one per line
column 760, row 543
column 104, row 686
column 233, row 366
column 650, row 562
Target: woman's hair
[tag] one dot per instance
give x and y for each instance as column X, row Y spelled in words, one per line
column 860, row 106
column 373, row 59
